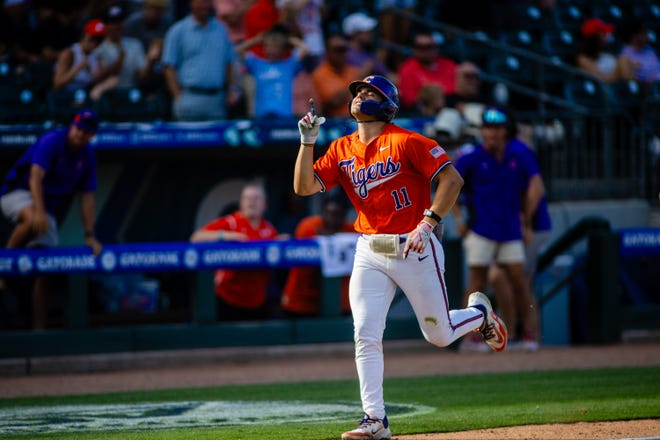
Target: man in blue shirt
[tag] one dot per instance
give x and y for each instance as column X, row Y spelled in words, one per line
column 37, row 192
column 200, row 66
column 497, row 175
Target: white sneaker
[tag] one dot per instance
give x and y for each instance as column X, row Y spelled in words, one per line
column 493, row 329
column 377, row 429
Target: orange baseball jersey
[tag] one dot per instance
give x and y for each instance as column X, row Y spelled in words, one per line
column 302, row 290
column 246, row 287
column 388, row 181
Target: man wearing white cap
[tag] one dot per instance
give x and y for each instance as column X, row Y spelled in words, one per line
column 359, row 29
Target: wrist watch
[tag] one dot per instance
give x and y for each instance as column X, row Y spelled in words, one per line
column 429, row 213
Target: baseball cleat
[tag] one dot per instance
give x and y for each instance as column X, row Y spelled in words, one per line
column 493, row 329
column 376, row 429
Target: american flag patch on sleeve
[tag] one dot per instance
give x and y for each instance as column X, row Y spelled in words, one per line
column 437, row 151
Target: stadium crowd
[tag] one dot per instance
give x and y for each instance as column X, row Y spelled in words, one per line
column 138, row 59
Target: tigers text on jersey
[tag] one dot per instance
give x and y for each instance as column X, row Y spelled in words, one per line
column 388, row 181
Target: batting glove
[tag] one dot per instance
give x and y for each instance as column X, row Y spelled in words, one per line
column 308, row 126
column 418, row 238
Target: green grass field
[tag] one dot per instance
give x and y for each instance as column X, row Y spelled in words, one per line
column 449, row 403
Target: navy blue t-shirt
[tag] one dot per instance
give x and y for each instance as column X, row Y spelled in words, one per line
column 67, row 171
column 493, row 190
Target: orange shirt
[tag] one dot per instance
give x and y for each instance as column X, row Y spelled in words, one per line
column 246, row 287
column 388, row 181
column 328, row 83
column 302, row 290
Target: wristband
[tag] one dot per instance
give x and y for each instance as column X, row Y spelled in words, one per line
column 429, row 213
column 89, row 234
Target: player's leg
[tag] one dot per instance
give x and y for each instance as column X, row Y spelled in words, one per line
column 506, row 304
column 479, row 254
column 17, row 206
column 512, row 259
column 421, row 277
column 371, row 292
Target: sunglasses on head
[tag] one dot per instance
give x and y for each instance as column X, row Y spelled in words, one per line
column 493, row 116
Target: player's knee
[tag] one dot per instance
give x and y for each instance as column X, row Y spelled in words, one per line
column 437, row 338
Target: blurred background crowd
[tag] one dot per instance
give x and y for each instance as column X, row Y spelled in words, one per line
column 136, row 60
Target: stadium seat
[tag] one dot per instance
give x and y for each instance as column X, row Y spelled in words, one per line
column 585, row 92
column 560, row 44
column 627, row 94
column 610, row 12
column 512, row 68
column 63, row 104
column 522, row 39
column 19, row 105
column 130, row 104
column 570, row 14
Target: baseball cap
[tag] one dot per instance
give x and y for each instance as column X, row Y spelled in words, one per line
column 494, row 116
column 87, row 120
column 358, row 22
column 95, row 28
column 114, row 14
column 595, row 26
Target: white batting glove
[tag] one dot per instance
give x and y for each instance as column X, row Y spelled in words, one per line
column 418, row 238
column 308, row 126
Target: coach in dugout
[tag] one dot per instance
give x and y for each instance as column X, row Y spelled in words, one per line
column 37, row 193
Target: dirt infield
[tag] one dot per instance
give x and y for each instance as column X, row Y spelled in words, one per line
column 195, row 368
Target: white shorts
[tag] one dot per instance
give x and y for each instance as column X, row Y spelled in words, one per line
column 12, row 203
column 481, row 251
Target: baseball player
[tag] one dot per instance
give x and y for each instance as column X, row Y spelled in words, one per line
column 387, row 173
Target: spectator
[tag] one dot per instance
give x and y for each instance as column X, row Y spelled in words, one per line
column 497, row 177
column 122, row 57
column 394, row 28
column 274, row 75
column 423, row 67
column 232, row 14
column 261, row 16
column 468, row 89
column 301, row 296
column 332, row 77
column 37, row 192
column 593, row 56
column 639, row 53
column 150, row 24
column 241, row 294
column 306, row 18
column 199, row 66
column 535, row 236
column 359, row 29
column 79, row 67
column 430, row 100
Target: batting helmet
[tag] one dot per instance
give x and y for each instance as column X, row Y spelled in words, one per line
column 385, row 110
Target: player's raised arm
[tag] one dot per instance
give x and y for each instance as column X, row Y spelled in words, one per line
column 304, row 183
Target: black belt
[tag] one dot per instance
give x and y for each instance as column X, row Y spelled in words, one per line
column 202, row 90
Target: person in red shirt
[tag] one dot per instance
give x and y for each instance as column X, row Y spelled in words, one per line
column 241, row 294
column 423, row 67
column 302, row 291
